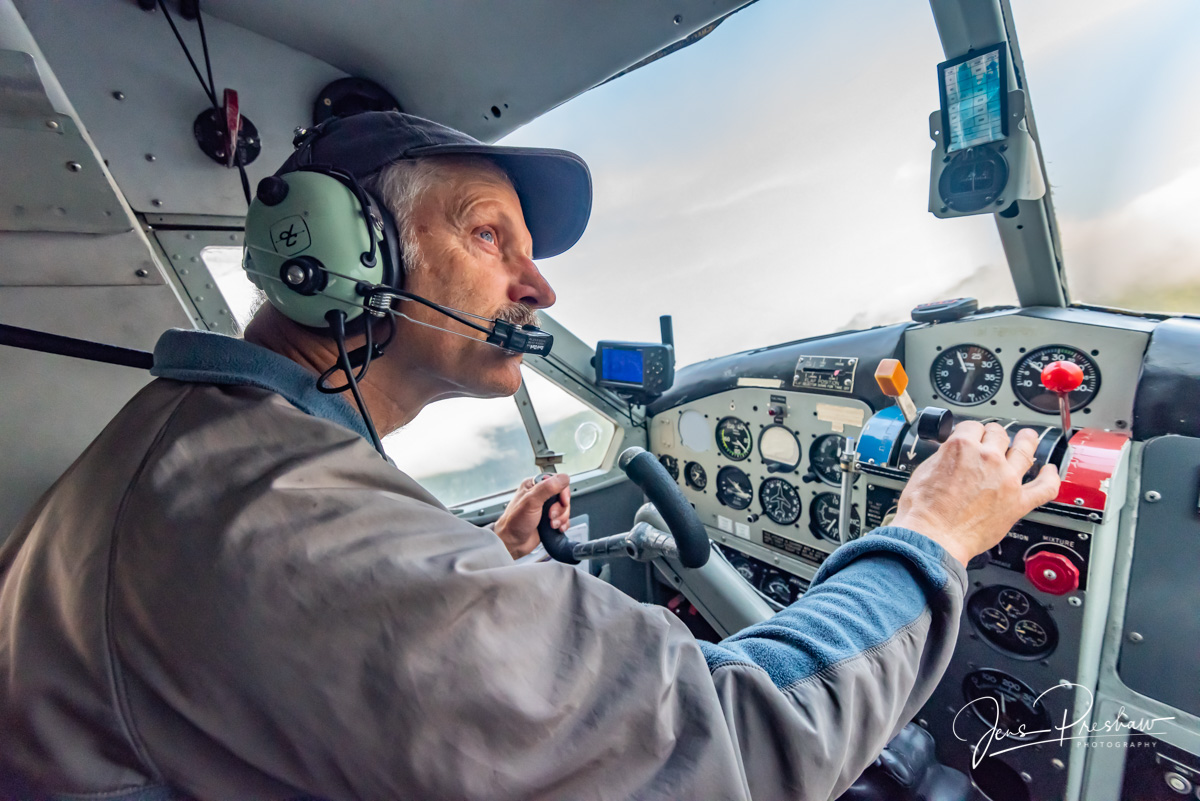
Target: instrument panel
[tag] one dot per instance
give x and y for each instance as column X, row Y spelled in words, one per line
column 989, row 365
column 761, row 466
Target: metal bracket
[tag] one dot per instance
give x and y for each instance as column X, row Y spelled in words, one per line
column 543, row 457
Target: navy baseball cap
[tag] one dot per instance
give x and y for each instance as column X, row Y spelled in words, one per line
column 554, row 186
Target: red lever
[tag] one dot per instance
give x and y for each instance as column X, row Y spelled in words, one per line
column 1062, row 378
column 233, row 125
column 1052, row 572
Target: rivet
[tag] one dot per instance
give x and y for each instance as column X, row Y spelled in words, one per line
column 52, row 125
column 1058, row 764
column 74, row 166
column 678, row 19
column 156, row 202
column 151, row 157
column 1152, row 496
column 1064, row 683
column 118, row 95
column 189, row 236
column 327, row 102
column 1079, row 501
column 923, row 723
column 141, row 272
column 943, row 209
column 199, row 298
column 1073, row 601
column 1135, row 637
column 1025, row 777
column 1083, row 537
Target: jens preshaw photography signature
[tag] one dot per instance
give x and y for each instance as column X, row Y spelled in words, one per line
column 1079, row 729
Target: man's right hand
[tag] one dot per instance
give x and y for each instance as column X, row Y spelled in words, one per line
column 969, row 494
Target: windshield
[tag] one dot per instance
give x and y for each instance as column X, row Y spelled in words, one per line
column 768, row 183
column 771, row 181
column 1117, row 112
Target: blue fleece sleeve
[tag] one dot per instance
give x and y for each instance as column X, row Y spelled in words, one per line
column 866, row 592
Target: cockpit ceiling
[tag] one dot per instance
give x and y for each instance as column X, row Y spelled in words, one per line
column 454, row 60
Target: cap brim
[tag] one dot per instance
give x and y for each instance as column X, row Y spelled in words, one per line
column 554, row 187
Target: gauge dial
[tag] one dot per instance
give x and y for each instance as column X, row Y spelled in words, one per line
column 780, row 501
column 823, row 517
column 1008, row 703
column 1012, row 622
column 993, row 619
column 1031, row 633
column 1027, row 379
column 734, row 488
column 734, row 438
column 671, row 465
column 824, row 458
column 967, row 375
column 779, row 448
column 695, row 476
column 1015, row 602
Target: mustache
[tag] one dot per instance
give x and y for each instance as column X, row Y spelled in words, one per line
column 519, row 314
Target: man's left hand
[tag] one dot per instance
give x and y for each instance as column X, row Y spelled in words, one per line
column 517, row 526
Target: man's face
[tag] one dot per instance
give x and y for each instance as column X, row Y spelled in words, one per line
column 474, row 253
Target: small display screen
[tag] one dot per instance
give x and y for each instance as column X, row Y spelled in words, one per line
column 626, row 366
column 974, row 91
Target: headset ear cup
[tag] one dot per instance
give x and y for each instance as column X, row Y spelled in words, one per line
column 323, row 227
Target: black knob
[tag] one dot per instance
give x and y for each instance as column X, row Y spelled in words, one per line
column 304, row 275
column 272, row 190
column 935, row 424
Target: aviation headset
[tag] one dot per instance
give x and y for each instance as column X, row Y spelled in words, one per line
column 327, row 254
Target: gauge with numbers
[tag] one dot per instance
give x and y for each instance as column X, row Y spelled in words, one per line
column 967, row 375
column 823, row 517
column 1027, row 378
column 734, row 488
column 733, row 438
column 695, row 476
column 670, row 464
column 1007, row 703
column 780, row 501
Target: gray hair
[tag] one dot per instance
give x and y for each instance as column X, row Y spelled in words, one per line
column 402, row 184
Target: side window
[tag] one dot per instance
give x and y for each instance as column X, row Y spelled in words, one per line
column 465, row 449
column 572, row 428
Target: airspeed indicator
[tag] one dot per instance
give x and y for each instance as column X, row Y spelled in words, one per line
column 733, row 438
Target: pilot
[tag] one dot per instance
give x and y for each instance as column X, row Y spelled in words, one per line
column 231, row 595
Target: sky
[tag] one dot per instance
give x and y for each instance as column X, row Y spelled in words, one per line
column 771, row 182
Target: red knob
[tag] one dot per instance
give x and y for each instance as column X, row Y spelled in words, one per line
column 1062, row 377
column 1052, row 572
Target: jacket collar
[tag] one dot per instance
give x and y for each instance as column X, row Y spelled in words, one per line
column 206, row 357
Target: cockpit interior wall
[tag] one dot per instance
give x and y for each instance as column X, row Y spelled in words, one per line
column 1168, row 397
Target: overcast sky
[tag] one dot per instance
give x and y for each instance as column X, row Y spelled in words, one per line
column 771, row 181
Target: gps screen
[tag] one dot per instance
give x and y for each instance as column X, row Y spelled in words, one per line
column 622, row 365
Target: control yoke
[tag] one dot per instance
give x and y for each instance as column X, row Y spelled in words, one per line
column 687, row 542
